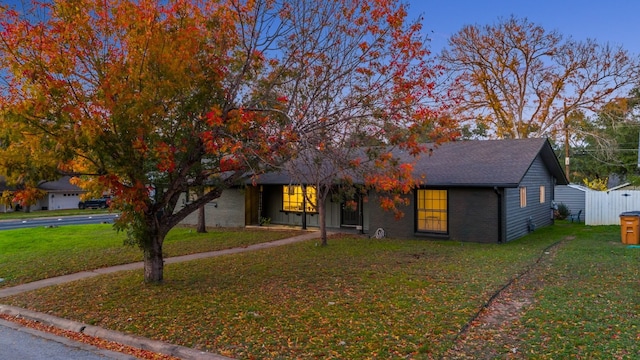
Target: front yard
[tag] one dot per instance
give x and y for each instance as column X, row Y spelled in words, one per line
column 364, row 298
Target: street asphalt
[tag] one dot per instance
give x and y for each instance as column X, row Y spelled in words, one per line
column 17, row 342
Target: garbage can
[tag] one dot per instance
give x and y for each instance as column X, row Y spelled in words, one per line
column 630, row 227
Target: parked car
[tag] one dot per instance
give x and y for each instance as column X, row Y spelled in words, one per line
column 101, row 203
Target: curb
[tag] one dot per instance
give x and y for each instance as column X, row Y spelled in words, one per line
column 110, row 335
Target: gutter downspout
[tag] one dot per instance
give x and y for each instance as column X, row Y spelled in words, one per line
column 499, row 193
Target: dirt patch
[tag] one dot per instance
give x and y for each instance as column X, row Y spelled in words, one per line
column 488, row 336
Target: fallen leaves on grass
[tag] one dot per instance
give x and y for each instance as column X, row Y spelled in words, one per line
column 90, row 340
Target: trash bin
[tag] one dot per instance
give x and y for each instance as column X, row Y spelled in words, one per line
column 630, row 227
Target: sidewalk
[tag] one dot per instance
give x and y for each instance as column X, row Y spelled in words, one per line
column 130, row 340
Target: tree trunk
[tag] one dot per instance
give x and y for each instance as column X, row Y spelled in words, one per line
column 322, row 221
column 153, row 261
column 202, row 225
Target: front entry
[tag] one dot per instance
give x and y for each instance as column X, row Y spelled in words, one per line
column 349, row 215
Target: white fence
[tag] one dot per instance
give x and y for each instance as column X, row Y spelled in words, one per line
column 605, row 207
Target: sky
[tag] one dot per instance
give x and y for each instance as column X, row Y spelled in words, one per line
column 608, row 21
column 616, row 22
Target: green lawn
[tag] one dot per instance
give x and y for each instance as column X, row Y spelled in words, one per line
column 33, row 254
column 363, row 298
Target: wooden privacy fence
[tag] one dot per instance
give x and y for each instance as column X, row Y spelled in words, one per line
column 605, row 207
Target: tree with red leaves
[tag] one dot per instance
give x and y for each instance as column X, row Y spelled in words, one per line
column 151, row 100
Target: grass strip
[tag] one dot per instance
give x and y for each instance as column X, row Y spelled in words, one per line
column 37, row 253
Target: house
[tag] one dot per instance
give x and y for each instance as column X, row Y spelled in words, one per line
column 478, row 191
column 60, row 195
column 574, row 197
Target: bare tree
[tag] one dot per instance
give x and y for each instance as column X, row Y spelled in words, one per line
column 518, row 80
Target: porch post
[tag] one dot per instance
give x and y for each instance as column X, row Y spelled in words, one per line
column 304, row 207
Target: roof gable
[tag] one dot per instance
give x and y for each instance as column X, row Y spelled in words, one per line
column 501, row 163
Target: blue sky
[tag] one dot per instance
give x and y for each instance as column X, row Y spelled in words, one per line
column 614, row 21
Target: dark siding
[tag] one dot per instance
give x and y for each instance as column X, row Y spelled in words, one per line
column 473, row 215
column 518, row 218
column 380, row 218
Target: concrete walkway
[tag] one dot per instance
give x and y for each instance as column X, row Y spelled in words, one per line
column 130, row 340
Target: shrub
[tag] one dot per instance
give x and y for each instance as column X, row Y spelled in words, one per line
column 562, row 212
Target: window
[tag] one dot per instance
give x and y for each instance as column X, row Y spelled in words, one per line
column 542, row 198
column 293, row 199
column 432, row 210
column 523, row 197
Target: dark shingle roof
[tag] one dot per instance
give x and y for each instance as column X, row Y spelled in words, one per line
column 61, row 184
column 477, row 163
column 486, row 162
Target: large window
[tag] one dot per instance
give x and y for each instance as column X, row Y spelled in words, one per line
column 432, row 210
column 293, row 198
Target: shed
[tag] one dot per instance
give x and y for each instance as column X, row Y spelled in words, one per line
column 574, row 197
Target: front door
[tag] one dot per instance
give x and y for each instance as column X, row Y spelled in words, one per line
column 349, row 214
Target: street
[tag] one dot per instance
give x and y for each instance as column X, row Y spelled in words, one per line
column 58, row 221
column 17, row 342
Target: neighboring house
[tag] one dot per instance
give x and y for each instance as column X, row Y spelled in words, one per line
column 574, row 197
column 479, row 191
column 60, row 194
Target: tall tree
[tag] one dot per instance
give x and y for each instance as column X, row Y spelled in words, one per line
column 149, row 99
column 133, row 96
column 607, row 144
column 359, row 79
column 518, row 80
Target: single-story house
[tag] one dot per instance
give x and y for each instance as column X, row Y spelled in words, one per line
column 478, row 191
column 60, row 195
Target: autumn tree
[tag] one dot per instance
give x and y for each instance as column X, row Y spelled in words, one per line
column 143, row 99
column 360, row 84
column 517, row 80
column 149, row 100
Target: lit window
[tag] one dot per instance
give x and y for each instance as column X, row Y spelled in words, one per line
column 523, row 197
column 432, row 210
column 542, row 198
column 293, row 199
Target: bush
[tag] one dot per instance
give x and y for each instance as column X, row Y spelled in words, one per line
column 562, row 212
